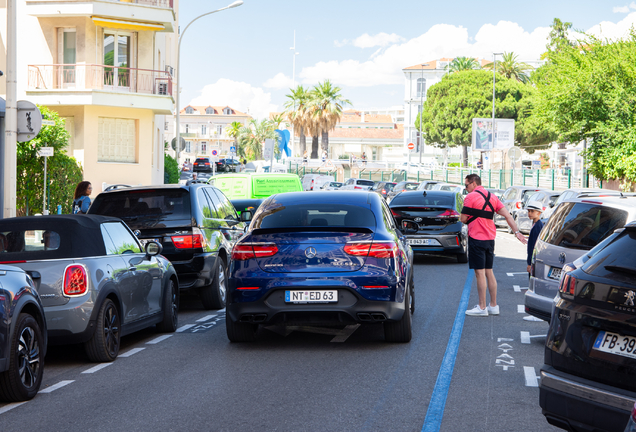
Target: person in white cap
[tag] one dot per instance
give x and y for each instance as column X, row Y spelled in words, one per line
column 535, row 208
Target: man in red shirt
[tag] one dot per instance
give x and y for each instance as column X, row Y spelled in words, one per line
column 479, row 211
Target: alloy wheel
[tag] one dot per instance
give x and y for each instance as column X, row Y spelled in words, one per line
column 222, row 287
column 28, row 357
column 111, row 330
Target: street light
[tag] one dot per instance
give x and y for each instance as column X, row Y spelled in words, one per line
column 494, row 70
column 293, row 134
column 178, row 117
column 421, row 141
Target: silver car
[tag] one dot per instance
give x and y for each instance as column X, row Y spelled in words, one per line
column 547, row 198
column 574, row 228
column 513, row 198
column 94, row 279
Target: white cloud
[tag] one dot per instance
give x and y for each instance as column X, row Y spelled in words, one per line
column 239, row 95
column 441, row 40
column 620, row 9
column 379, row 40
column 279, row 81
column 618, row 30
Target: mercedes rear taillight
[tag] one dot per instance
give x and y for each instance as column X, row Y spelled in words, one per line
column 246, row 251
column 372, row 249
column 75, row 281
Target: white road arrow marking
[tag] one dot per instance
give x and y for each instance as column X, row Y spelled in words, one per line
column 505, row 347
column 532, row 380
column 526, row 336
column 504, row 340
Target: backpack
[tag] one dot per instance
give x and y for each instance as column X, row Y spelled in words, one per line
column 77, row 206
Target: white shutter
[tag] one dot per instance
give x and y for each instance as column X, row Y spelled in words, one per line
column 116, row 140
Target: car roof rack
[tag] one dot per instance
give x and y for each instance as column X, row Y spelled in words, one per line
column 610, row 193
column 116, row 186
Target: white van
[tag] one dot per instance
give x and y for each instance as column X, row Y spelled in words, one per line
column 313, row 182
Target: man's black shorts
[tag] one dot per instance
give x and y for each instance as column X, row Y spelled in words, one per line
column 481, row 253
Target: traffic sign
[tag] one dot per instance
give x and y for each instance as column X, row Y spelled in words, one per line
column 233, row 149
column 45, row 151
column 214, row 152
column 411, row 146
column 29, row 121
column 48, row 123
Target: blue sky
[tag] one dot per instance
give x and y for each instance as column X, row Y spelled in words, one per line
column 241, row 56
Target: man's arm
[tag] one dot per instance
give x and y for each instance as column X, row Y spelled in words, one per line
column 464, row 218
column 512, row 224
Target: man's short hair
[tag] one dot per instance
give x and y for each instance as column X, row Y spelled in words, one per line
column 474, row 178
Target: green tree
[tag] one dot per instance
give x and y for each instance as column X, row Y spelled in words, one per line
column 63, row 171
column 170, row 169
column 461, row 64
column 587, row 91
column 296, row 112
column 511, row 68
column 558, row 37
column 233, row 130
column 251, row 138
column 452, row 103
column 326, row 103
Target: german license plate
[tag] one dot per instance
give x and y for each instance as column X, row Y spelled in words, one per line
column 314, row 296
column 423, row 242
column 554, row 273
column 616, row 344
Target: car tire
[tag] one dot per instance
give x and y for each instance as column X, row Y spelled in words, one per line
column 213, row 295
column 401, row 331
column 462, row 258
column 238, row 331
column 104, row 345
column 170, row 308
column 22, row 380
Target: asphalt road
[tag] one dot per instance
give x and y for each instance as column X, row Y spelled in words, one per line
column 196, row 380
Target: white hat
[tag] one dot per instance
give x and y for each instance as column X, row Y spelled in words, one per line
column 534, row 205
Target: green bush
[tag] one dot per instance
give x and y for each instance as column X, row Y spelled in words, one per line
column 63, row 171
column 170, row 170
column 344, row 156
column 454, row 164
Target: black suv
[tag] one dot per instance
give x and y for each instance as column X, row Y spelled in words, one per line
column 228, row 165
column 588, row 381
column 202, row 164
column 196, row 224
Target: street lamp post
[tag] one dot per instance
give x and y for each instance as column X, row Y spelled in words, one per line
column 293, row 133
column 178, row 117
column 494, row 70
column 421, row 142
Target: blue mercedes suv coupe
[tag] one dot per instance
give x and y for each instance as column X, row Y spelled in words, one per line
column 321, row 258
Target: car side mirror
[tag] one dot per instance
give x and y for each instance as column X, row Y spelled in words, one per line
column 153, row 248
column 246, row 216
column 231, row 221
column 410, row 227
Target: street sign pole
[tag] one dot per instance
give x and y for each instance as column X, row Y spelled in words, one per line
column 45, row 152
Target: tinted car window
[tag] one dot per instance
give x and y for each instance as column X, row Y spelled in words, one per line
column 527, row 194
column 207, row 205
column 137, row 207
column 26, row 241
column 616, row 261
column 225, row 208
column 582, row 225
column 445, row 200
column 322, row 215
column 365, row 182
column 122, row 241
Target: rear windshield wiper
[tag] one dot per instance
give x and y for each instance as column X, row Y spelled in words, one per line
column 576, row 245
column 620, row 269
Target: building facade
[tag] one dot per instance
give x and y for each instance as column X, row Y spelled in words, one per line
column 204, row 130
column 107, row 68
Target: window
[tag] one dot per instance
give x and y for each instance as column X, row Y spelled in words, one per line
column 117, row 53
column 204, row 148
column 225, row 207
column 187, row 147
column 203, row 129
column 421, row 87
column 219, row 129
column 116, row 140
column 122, row 241
column 165, row 126
column 189, row 110
column 67, row 52
column 228, row 111
column 317, row 215
column 209, row 110
column 187, row 128
column 206, row 205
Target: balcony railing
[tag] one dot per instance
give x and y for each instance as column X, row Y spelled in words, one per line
column 99, row 77
column 158, row 3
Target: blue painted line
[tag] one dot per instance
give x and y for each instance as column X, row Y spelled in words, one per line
column 435, row 411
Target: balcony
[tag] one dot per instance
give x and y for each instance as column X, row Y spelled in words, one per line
column 138, row 12
column 81, row 84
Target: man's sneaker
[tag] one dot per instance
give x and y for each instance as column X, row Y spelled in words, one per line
column 477, row 311
column 492, row 310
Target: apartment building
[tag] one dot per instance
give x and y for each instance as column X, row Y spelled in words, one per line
column 106, row 66
column 204, row 130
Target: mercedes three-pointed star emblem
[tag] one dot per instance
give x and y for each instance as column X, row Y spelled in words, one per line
column 310, row 252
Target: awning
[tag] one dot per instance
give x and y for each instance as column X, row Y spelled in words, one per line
column 127, row 25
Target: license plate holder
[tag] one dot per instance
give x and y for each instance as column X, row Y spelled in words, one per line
column 614, row 343
column 311, row 296
column 423, row 242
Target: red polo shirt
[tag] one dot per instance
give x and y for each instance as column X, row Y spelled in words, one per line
column 480, row 228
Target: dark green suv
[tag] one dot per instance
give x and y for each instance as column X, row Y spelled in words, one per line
column 196, row 224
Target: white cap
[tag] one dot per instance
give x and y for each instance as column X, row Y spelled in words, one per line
column 534, row 205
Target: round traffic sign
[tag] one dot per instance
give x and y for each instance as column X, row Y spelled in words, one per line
column 411, row 146
column 214, row 152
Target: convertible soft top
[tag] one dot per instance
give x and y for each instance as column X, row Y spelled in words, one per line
column 79, row 236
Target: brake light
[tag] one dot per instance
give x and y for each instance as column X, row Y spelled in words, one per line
column 189, row 241
column 394, row 213
column 75, row 281
column 12, row 262
column 568, row 283
column 449, row 214
column 357, row 187
column 518, row 204
column 457, row 240
column 375, row 287
column 403, row 190
column 248, row 288
column 207, row 163
column 383, row 191
column 246, row 251
column 372, row 249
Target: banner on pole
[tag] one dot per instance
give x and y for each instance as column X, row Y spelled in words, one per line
column 504, row 135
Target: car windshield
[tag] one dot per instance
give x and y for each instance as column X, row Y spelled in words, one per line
column 582, row 225
column 316, row 215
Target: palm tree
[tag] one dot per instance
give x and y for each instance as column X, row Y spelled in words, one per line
column 296, row 113
column 252, row 137
column 277, row 119
column 511, row 68
column 462, row 63
column 233, row 130
column 327, row 103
